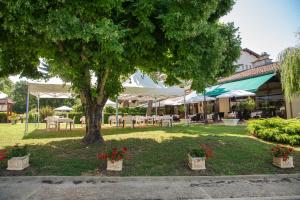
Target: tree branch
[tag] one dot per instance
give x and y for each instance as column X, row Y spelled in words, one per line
column 100, row 88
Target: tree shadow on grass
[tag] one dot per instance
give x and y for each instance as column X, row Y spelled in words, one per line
column 150, row 157
column 193, row 129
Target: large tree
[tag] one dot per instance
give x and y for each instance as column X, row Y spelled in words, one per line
column 110, row 39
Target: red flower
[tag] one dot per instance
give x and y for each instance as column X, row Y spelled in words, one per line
column 124, row 149
column 119, row 157
column 115, row 149
column 3, row 154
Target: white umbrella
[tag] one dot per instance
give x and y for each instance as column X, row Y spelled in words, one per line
column 63, row 109
column 194, row 97
column 236, row 93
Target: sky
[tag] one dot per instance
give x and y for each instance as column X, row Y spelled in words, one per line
column 266, row 25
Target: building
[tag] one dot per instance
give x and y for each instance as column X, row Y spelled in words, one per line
column 257, row 74
column 6, row 104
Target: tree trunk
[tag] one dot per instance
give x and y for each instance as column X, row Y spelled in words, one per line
column 93, row 116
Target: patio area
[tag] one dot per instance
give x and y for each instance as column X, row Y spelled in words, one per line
column 153, row 151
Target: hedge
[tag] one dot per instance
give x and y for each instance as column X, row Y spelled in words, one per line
column 276, row 129
column 3, row 117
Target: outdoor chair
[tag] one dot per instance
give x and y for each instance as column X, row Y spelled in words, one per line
column 128, row 120
column 51, row 121
column 82, row 120
column 191, row 118
column 112, row 119
column 166, row 119
column 210, row 117
column 73, row 122
column 149, row 119
column 176, row 118
column 139, row 119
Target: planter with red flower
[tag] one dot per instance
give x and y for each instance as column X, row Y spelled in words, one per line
column 282, row 156
column 114, row 158
column 197, row 157
column 18, row 157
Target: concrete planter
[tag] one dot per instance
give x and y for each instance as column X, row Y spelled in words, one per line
column 196, row 163
column 279, row 162
column 230, row 122
column 18, row 163
column 114, row 166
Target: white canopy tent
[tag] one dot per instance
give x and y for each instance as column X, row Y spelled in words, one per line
column 3, row 95
column 110, row 103
column 51, row 88
column 236, row 93
column 140, row 86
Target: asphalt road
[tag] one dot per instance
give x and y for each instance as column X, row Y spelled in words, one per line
column 195, row 187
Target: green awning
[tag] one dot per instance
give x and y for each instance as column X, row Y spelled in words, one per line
column 250, row 85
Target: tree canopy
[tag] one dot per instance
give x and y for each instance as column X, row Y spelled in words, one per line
column 290, row 72
column 110, row 39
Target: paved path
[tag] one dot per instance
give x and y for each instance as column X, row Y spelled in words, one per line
column 141, row 188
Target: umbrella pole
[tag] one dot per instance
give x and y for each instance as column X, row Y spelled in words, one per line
column 205, row 109
column 155, row 107
column 27, row 109
column 38, row 110
column 117, row 118
column 185, row 114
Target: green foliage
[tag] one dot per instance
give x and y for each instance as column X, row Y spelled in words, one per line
column 6, row 86
column 111, row 39
column 77, row 116
column 110, row 110
column 250, row 104
column 179, row 38
column 3, row 117
column 18, row 151
column 276, row 129
column 45, row 112
column 126, row 110
column 290, row 71
column 197, row 153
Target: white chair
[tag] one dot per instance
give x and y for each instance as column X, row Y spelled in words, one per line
column 166, row 119
column 112, row 119
column 52, row 121
column 128, row 119
column 82, row 120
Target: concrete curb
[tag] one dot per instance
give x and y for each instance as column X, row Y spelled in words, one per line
column 149, row 178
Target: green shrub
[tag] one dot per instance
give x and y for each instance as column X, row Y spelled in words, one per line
column 3, row 117
column 276, row 129
column 18, row 151
column 46, row 111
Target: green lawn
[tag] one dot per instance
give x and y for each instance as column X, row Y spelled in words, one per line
column 152, row 151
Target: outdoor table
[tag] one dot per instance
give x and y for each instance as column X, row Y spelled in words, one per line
column 57, row 120
column 65, row 120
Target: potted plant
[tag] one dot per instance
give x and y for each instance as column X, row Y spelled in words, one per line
column 282, row 156
column 197, row 157
column 18, row 158
column 114, row 158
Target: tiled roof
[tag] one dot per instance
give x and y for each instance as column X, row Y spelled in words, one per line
column 251, row 52
column 252, row 72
